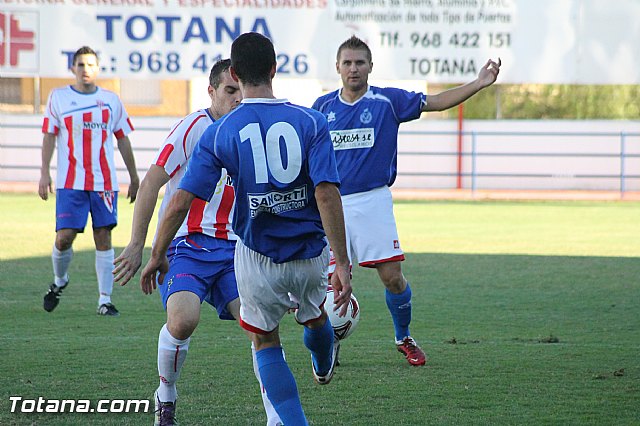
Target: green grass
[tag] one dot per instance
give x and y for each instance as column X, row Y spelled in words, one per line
column 528, row 312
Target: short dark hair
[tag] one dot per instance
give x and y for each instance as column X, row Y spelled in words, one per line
column 354, row 43
column 84, row 50
column 252, row 58
column 216, row 72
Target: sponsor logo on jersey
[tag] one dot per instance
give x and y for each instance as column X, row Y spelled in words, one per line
column 94, row 126
column 225, row 180
column 278, row 202
column 352, row 138
column 366, row 117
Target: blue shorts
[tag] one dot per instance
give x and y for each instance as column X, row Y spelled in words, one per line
column 73, row 207
column 202, row 265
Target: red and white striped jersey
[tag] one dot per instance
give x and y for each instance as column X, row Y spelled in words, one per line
column 83, row 124
column 210, row 218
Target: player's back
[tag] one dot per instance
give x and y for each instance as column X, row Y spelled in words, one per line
column 276, row 153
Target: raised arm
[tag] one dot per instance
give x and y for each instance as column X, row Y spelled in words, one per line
column 48, row 145
column 124, row 146
column 452, row 97
column 169, row 225
column 330, row 207
column 129, row 261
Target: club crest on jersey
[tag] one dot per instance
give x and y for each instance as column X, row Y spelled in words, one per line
column 366, row 116
column 107, row 198
column 331, row 117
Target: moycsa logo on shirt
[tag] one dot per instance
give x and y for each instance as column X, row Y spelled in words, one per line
column 94, row 126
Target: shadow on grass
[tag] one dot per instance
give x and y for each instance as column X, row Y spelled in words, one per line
column 513, row 338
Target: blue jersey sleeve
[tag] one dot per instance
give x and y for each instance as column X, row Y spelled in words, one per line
column 407, row 105
column 322, row 159
column 203, row 169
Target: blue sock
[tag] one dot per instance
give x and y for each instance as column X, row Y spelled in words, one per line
column 280, row 385
column 320, row 342
column 400, row 307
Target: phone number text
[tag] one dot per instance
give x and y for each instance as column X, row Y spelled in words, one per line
column 172, row 62
column 464, row 40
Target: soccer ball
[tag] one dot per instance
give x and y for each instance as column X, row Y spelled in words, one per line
column 342, row 326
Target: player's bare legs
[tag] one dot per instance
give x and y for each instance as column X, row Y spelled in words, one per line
column 102, row 238
column 390, row 274
column 104, row 266
column 398, row 297
column 65, row 238
column 183, row 314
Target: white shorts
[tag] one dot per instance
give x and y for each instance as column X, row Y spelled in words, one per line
column 372, row 236
column 264, row 288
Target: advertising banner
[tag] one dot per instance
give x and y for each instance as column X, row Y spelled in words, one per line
column 440, row 41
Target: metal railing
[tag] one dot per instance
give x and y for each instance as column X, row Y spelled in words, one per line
column 472, row 152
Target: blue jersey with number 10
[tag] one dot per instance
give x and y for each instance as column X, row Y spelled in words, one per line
column 365, row 134
column 276, row 153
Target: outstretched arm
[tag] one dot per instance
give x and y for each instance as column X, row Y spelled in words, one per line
column 452, row 97
column 129, row 261
column 169, row 225
column 48, row 145
column 124, row 146
column 330, row 207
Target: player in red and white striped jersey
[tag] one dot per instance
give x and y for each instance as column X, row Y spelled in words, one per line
column 80, row 120
column 201, row 254
column 211, row 218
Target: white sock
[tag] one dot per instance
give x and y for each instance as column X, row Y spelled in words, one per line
column 104, row 266
column 61, row 261
column 272, row 417
column 171, row 355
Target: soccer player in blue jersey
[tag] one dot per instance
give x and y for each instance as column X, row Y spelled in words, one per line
column 363, row 122
column 201, row 254
column 281, row 162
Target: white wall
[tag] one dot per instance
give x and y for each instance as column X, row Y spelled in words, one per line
column 570, row 155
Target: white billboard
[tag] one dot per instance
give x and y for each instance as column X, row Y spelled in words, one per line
column 440, row 41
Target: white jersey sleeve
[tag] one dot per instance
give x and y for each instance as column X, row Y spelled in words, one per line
column 211, row 218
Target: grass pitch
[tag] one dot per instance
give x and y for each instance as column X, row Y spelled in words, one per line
column 528, row 313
